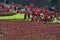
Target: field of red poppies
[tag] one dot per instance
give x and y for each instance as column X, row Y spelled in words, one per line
column 28, row 30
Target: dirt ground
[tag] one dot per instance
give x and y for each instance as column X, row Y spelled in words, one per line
column 28, row 30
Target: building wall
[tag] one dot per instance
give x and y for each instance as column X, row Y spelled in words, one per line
column 38, row 3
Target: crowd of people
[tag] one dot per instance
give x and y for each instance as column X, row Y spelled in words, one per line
column 47, row 13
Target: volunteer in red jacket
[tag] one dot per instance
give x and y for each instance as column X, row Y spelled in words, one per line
column 32, row 6
column 38, row 13
column 13, row 6
column 53, row 15
column 34, row 18
column 26, row 12
column 7, row 8
column 45, row 15
column 19, row 7
column 3, row 5
column 34, row 12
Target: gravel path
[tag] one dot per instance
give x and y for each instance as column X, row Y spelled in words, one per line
column 27, row 30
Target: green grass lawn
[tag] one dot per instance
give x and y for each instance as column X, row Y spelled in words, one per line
column 18, row 16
